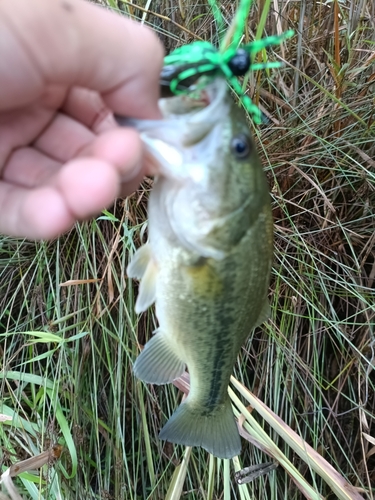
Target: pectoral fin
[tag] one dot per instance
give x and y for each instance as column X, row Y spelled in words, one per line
column 143, row 267
column 158, row 363
column 139, row 262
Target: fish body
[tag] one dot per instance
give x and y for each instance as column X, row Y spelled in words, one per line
column 207, row 261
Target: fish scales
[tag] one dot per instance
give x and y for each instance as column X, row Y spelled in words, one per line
column 207, row 262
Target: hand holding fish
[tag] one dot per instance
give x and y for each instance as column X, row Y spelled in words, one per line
column 65, row 67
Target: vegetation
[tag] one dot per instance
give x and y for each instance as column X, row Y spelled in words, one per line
column 69, row 334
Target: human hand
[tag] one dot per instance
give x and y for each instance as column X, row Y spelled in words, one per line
column 65, row 67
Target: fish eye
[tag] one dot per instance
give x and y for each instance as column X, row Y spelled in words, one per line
column 241, row 146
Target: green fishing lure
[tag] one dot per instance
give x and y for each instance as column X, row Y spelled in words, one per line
column 186, row 64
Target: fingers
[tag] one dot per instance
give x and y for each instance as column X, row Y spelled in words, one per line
column 59, row 135
column 123, row 149
column 34, row 214
column 87, row 107
column 64, row 138
column 74, row 43
column 110, row 164
column 87, row 186
column 29, row 168
column 83, row 187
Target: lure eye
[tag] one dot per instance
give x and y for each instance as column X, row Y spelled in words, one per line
column 240, row 63
column 241, row 146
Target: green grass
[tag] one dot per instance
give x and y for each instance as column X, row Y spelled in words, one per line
column 67, row 351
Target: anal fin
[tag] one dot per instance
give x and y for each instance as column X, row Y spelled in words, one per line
column 158, row 363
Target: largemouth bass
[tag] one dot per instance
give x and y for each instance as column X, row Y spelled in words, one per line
column 207, row 261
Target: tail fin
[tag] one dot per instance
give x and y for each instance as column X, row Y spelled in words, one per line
column 215, row 431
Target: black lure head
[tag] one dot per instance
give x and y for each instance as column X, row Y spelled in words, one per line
column 239, row 64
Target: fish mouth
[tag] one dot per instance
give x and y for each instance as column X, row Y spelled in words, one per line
column 194, row 99
column 192, row 115
column 201, row 109
column 188, row 130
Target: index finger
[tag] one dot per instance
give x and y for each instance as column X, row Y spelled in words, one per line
column 70, row 42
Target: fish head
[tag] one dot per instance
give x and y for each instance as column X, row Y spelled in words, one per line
column 210, row 183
